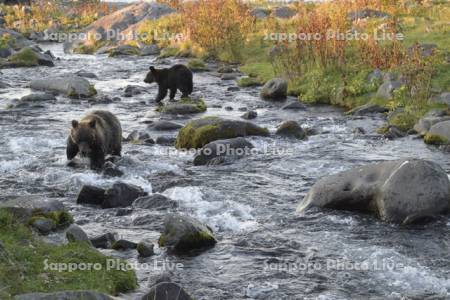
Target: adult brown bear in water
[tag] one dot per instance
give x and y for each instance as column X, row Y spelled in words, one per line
column 96, row 135
column 176, row 77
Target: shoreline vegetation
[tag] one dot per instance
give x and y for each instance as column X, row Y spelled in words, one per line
column 365, row 56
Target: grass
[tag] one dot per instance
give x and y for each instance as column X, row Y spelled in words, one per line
column 23, row 260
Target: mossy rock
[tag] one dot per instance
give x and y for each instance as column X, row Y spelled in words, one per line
column 250, row 82
column 183, row 234
column 200, row 132
column 61, row 219
column 24, row 58
column 197, row 65
column 434, row 139
column 85, row 49
column 183, row 107
column 124, row 50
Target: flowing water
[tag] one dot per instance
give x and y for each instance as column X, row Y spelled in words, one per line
column 266, row 250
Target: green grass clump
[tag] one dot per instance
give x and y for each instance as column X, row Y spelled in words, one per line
column 168, row 52
column 196, row 65
column 24, row 258
column 250, row 82
column 404, row 121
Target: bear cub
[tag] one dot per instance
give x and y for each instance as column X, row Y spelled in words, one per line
column 94, row 136
column 176, row 77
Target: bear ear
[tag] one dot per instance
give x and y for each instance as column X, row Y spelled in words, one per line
column 74, row 123
column 152, row 69
column 92, row 123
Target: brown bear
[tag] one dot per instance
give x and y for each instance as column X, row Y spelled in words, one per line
column 96, row 135
column 176, row 77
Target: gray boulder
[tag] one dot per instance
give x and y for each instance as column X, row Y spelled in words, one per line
column 121, row 195
column 91, row 195
column 368, row 109
column 275, row 89
column 167, row 291
column 234, row 148
column 291, row 129
column 183, row 107
column 152, row 49
column 132, row 90
column 283, row 12
column 162, row 125
column 441, row 130
column 145, row 249
column 387, row 88
column 294, row 105
column 183, row 234
column 70, row 85
column 5, row 52
column 24, row 207
column 443, row 98
column 154, row 202
column 75, row 234
column 424, row 124
column 66, row 295
column 401, row 191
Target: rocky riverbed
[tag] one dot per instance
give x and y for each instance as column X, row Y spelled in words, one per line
column 265, row 249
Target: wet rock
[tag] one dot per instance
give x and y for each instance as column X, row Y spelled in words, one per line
column 236, row 147
column 167, row 291
column 233, row 89
column 29, row 57
column 85, row 74
column 137, row 136
column 443, row 98
column 367, row 13
column 228, row 76
column 75, row 234
column 200, row 132
column 275, row 89
column 394, row 133
column 228, row 108
column 91, row 195
column 183, row 234
column 158, row 278
column 121, row 195
column 250, row 115
column 368, row 109
column 152, row 49
column 294, row 105
column 259, row 13
column 66, row 295
column 38, row 97
column 162, row 125
column 291, row 129
column 123, row 22
column 165, row 140
column 283, row 12
column 400, row 191
column 155, row 202
column 424, row 124
column 123, row 245
column 43, row 225
column 183, row 107
column 124, row 50
column 145, row 249
column 104, row 241
column 70, row 85
column 387, row 89
column 111, row 170
column 359, row 131
column 133, row 90
column 441, row 131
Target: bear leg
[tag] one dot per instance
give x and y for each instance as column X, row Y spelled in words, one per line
column 162, row 93
column 72, row 149
column 172, row 94
column 97, row 160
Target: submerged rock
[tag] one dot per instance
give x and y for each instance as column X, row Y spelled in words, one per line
column 133, row 90
column 163, row 125
column 70, row 85
column 155, row 202
column 67, row 295
column 401, row 191
column 250, row 115
column 167, row 291
column 183, row 234
column 235, row 148
column 200, row 132
column 165, row 140
column 291, row 129
column 275, row 89
column 123, row 245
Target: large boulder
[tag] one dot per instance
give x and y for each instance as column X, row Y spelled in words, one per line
column 387, row 89
column 28, row 57
column 424, row 124
column 15, row 40
column 291, row 129
column 66, row 295
column 184, row 106
column 200, row 132
column 235, row 148
column 275, row 89
column 183, row 234
column 166, row 291
column 119, row 195
column 122, row 23
column 71, row 85
column 439, row 133
column 400, row 191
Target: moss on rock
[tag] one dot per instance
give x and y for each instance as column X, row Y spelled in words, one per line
column 200, row 132
column 434, row 139
column 184, row 106
column 24, row 58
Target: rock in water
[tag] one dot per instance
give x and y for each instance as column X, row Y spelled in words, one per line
column 67, row 295
column 155, row 202
column 91, row 195
column 75, row 234
column 104, row 241
column 200, row 132
column 70, row 85
column 121, row 195
column 236, row 147
column 401, row 191
column 275, row 89
column 183, row 234
column 167, row 291
column 367, row 109
column 145, row 249
column 291, row 129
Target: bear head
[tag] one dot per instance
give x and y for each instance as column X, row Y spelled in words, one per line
column 84, row 134
column 152, row 75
